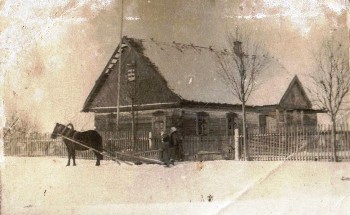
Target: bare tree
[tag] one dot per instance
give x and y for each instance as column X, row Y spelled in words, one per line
column 332, row 81
column 20, row 123
column 239, row 68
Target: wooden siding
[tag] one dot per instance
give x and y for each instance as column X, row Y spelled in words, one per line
column 310, row 119
column 186, row 120
column 272, row 120
column 189, row 123
column 295, row 97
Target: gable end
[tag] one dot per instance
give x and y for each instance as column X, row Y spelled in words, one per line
column 295, row 96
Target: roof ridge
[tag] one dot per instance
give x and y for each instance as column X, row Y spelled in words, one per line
column 171, row 44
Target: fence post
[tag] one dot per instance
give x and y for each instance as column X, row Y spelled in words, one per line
column 286, row 142
column 237, row 148
column 150, row 140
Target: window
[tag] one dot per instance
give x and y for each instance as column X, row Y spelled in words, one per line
column 158, row 122
column 202, row 123
column 231, row 123
column 302, row 118
column 111, row 122
column 100, row 123
column 262, row 122
column 296, row 118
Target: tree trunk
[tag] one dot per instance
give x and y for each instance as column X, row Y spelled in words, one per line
column 245, row 142
column 334, row 140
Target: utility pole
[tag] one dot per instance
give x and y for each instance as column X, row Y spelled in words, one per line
column 120, row 62
column 131, row 72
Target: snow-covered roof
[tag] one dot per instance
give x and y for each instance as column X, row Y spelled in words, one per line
column 191, row 72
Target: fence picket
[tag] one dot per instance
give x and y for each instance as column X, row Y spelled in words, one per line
column 290, row 141
column 326, row 143
column 286, row 143
column 313, row 142
column 297, row 141
column 304, row 144
column 346, row 147
column 260, row 148
column 268, row 148
column 341, row 148
column 281, row 144
column 296, row 144
column 319, row 143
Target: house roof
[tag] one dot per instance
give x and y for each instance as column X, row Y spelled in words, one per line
column 191, row 72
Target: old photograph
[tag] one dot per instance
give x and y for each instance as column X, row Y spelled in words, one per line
column 174, row 107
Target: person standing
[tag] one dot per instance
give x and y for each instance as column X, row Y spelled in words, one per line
column 176, row 142
column 165, row 147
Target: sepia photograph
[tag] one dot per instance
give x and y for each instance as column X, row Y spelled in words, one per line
column 205, row 107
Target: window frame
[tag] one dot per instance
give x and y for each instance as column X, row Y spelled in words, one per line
column 158, row 117
column 231, row 123
column 202, row 123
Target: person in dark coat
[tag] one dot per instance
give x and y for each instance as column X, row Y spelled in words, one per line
column 165, row 148
column 176, row 142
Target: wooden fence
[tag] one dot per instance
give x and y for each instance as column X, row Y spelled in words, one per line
column 207, row 147
column 304, row 144
column 292, row 144
column 36, row 145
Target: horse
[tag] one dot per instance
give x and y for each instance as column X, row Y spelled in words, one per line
column 90, row 138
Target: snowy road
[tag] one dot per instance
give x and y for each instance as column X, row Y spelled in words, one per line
column 46, row 186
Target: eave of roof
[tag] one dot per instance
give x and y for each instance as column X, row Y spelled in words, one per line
column 100, row 81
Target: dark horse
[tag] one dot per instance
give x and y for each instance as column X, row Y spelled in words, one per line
column 89, row 138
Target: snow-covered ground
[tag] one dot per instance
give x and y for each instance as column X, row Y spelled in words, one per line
column 47, row 186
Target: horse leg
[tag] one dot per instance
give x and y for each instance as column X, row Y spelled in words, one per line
column 69, row 156
column 73, row 156
column 98, row 159
column 98, row 156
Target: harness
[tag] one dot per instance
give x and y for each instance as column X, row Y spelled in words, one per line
column 71, row 133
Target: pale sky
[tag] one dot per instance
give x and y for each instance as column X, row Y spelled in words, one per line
column 53, row 51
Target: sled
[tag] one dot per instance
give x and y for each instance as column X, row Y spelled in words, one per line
column 140, row 158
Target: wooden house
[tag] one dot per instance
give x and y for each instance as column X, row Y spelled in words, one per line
column 173, row 84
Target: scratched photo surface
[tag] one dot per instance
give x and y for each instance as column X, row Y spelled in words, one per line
column 174, row 107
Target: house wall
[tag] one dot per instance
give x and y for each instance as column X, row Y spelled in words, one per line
column 280, row 119
column 217, row 124
column 310, row 119
column 187, row 120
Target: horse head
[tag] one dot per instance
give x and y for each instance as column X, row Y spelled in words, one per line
column 61, row 130
column 57, row 130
